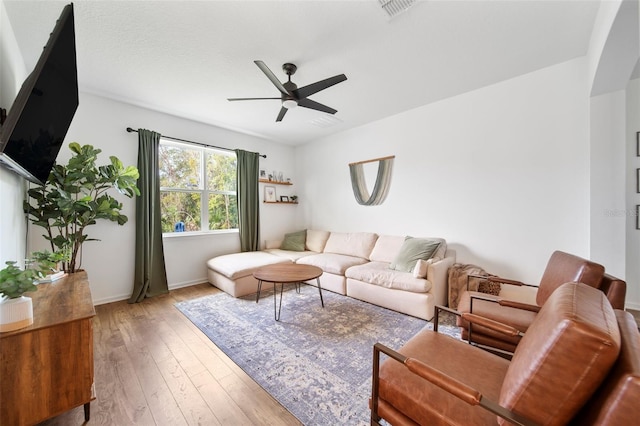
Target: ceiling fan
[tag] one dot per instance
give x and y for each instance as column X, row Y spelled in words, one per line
column 290, row 95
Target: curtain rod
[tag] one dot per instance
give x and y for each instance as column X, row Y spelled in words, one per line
column 129, row 129
column 372, row 160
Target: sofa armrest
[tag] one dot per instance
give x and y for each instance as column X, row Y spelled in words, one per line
column 437, row 275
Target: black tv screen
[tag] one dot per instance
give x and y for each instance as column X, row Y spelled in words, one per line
column 39, row 118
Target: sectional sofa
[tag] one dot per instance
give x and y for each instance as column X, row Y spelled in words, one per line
column 401, row 273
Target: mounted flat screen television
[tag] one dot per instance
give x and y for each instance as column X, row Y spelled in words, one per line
column 39, row 118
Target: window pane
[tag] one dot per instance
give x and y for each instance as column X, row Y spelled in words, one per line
column 223, row 211
column 179, row 167
column 180, row 207
column 221, row 172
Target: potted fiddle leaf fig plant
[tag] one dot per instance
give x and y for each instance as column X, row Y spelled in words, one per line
column 76, row 196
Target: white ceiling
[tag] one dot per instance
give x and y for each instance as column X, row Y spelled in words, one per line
column 187, row 58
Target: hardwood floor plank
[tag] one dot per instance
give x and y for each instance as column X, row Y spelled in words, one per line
column 193, row 407
column 155, row 367
column 223, row 406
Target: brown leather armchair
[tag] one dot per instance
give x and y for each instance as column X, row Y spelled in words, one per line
column 519, row 313
column 573, row 366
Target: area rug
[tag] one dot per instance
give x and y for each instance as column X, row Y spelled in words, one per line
column 316, row 362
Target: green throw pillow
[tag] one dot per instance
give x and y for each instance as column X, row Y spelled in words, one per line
column 294, row 241
column 411, row 251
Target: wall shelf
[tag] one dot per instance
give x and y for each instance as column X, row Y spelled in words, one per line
column 280, row 202
column 275, row 182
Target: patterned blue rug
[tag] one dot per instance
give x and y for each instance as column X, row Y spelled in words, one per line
column 316, row 362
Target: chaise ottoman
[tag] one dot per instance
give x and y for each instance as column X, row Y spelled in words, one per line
column 232, row 273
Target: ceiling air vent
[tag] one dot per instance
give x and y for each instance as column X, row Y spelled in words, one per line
column 395, row 7
column 326, row 121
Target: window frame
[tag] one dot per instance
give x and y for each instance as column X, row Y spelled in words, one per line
column 202, row 188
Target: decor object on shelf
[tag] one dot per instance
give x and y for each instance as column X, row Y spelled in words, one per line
column 294, row 198
column 382, row 185
column 76, row 196
column 270, row 194
column 284, row 199
column 50, row 264
column 16, row 310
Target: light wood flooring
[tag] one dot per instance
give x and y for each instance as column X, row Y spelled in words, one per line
column 154, row 367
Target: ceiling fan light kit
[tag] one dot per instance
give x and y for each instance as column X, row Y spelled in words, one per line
column 289, row 103
column 290, row 95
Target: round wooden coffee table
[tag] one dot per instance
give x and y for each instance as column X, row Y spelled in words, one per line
column 286, row 273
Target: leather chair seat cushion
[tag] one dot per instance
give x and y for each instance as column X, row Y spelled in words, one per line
column 564, row 356
column 424, row 402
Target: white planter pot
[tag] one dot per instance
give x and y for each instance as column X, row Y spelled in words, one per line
column 15, row 313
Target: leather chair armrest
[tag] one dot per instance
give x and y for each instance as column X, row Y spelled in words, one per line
column 493, row 325
column 519, row 305
column 453, row 386
column 497, row 279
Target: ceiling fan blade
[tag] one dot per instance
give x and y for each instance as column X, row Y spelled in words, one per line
column 250, row 99
column 271, row 76
column 283, row 111
column 309, row 90
column 308, row 103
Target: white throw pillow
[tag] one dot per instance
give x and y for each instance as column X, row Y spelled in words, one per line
column 420, row 270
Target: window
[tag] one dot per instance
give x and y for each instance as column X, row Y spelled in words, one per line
column 197, row 188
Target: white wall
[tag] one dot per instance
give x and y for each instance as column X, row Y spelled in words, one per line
column 101, row 122
column 633, row 199
column 502, row 172
column 12, row 222
column 608, row 181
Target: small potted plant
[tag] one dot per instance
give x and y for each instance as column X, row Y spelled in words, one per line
column 50, row 264
column 294, row 198
column 16, row 310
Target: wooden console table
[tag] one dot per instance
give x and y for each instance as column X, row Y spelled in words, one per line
column 47, row 367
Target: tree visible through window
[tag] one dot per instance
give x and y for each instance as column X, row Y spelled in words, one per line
column 197, row 188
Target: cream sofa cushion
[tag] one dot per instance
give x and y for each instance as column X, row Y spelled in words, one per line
column 386, row 248
column 332, row 263
column 316, row 240
column 378, row 273
column 358, row 244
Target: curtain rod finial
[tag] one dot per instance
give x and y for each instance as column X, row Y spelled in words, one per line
column 129, row 129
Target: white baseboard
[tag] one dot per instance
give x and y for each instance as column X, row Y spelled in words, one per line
column 173, row 286
column 187, row 283
column 634, row 306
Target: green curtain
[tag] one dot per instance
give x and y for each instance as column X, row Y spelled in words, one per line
column 150, row 274
column 248, row 200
